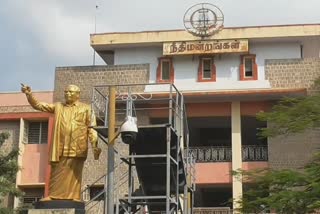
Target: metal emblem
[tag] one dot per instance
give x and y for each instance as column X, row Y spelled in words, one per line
column 203, row 20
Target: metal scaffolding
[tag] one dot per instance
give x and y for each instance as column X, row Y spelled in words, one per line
column 158, row 160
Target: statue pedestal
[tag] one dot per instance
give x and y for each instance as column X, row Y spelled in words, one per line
column 58, row 207
column 54, row 211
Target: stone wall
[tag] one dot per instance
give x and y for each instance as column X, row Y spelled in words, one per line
column 86, row 78
column 16, row 109
column 293, row 151
column 13, row 128
column 292, row 73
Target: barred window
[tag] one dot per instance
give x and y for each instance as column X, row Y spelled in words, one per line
column 96, row 193
column 207, row 64
column 38, row 132
column 31, row 199
column 31, row 195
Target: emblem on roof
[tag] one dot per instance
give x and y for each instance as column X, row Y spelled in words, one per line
column 203, row 20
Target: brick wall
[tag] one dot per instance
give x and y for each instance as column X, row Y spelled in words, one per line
column 296, row 150
column 86, row 77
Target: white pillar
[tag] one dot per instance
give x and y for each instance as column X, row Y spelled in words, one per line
column 236, row 152
column 21, row 149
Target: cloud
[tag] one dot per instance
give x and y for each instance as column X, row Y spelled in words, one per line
column 138, row 15
column 62, row 27
column 38, row 35
column 63, row 35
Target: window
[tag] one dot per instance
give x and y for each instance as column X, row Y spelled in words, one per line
column 31, row 199
column 31, row 195
column 165, row 72
column 38, row 132
column 248, row 67
column 206, row 70
column 97, row 193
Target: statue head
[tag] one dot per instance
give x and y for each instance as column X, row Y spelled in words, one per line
column 71, row 94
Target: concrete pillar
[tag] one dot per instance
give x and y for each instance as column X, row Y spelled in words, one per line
column 21, row 148
column 236, row 151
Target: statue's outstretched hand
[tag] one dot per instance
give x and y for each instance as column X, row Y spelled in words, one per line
column 25, row 89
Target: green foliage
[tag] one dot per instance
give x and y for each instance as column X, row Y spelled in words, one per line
column 292, row 115
column 280, row 191
column 8, row 170
column 283, row 191
column 286, row 191
column 6, row 211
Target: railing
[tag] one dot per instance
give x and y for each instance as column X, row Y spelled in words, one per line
column 92, row 205
column 190, row 171
column 211, row 154
column 254, row 153
column 224, row 153
column 212, row 210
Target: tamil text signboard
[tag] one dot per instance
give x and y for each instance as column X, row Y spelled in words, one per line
column 205, row 47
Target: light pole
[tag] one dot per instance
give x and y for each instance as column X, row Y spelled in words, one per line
column 95, row 31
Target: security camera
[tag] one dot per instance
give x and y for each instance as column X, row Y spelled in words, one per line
column 129, row 130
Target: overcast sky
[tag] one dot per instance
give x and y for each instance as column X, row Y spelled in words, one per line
column 39, row 35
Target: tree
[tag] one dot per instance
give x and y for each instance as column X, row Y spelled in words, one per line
column 283, row 191
column 293, row 115
column 286, row 191
column 8, row 170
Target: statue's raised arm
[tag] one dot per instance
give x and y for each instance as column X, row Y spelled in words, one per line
column 41, row 106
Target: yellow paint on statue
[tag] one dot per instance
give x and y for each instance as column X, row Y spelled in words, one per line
column 70, row 142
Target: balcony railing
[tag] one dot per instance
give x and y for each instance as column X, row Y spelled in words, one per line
column 254, row 153
column 224, row 153
column 211, row 154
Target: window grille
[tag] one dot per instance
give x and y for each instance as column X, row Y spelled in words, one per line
column 31, row 199
column 38, row 133
column 96, row 192
column 207, row 67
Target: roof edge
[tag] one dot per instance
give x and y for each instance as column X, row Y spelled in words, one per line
column 231, row 28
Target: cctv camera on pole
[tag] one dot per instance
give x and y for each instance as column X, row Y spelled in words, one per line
column 129, row 128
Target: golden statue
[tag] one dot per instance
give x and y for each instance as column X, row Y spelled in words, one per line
column 70, row 142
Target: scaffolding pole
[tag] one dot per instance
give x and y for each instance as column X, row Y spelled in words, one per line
column 111, row 136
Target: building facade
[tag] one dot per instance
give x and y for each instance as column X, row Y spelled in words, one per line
column 30, row 131
column 226, row 79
